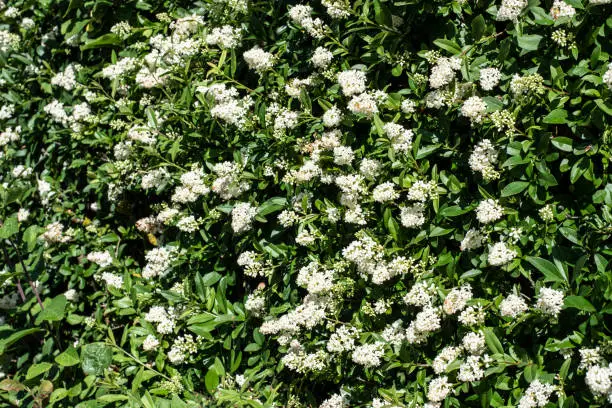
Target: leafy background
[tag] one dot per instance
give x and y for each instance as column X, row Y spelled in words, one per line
column 88, row 352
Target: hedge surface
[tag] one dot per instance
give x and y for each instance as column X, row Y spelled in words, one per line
column 236, row 203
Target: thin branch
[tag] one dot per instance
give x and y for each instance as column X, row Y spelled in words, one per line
column 25, row 270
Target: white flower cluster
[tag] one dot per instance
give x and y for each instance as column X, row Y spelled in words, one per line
column 112, row 280
column 422, row 191
column 488, row 211
column 298, row 360
column 537, row 395
column 321, row 58
column 425, row 323
column 337, row 8
column 607, row 77
column 473, row 239
column 242, row 217
column 342, row 340
column 8, row 41
column 228, row 183
column 421, row 294
column 159, row 261
column 315, row 278
column 54, row 233
column 255, row 303
column 309, row 314
column 599, row 380
column 561, row 9
column 150, row 343
column 10, row 135
column 457, row 299
column 302, row 14
column 192, row 186
column 182, row 348
column 444, row 358
column 500, row 254
column 165, row 319
column 438, row 389
column 188, row 224
column 513, row 306
column 364, row 104
column 253, row 265
column 489, row 78
column 400, row 137
column 225, row 37
column 335, row 401
column 258, row 59
column 102, row 258
column 522, row 86
column 550, row 301
column 385, row 192
column 151, row 78
column 66, row 79
column 228, row 106
column 352, row 82
column 368, row 355
column 546, row 213
column 474, row 108
column 122, row 67
column 443, row 73
column 510, row 10
column 367, row 255
column 412, row 216
column 589, row 357
column 482, row 159
column 155, row 178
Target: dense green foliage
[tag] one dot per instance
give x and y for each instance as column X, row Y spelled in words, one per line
column 342, row 204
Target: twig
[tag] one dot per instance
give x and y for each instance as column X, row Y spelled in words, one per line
column 8, row 262
column 25, row 270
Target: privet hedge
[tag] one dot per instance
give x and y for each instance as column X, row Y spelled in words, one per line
column 232, row 203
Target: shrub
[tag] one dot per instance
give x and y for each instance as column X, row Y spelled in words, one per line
column 338, row 204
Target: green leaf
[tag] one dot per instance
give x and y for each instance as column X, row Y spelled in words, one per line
column 37, row 369
column 492, row 341
column 11, row 385
column 393, row 228
column 603, row 106
column 252, row 347
column 9, row 228
column 30, row 236
column 426, row 151
column 58, row 395
column 556, row 117
column 272, row 205
column 112, row 398
column 514, row 188
column 13, row 338
column 382, row 14
column 448, row 45
column 529, row 42
column 53, row 310
column 439, row 231
column 478, row 27
column 68, row 358
column 563, row 143
column 379, row 126
column 211, row 381
column 550, row 271
column 106, row 40
column 211, row 278
column 580, row 303
column 570, row 234
column 453, row 211
column 95, row 358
